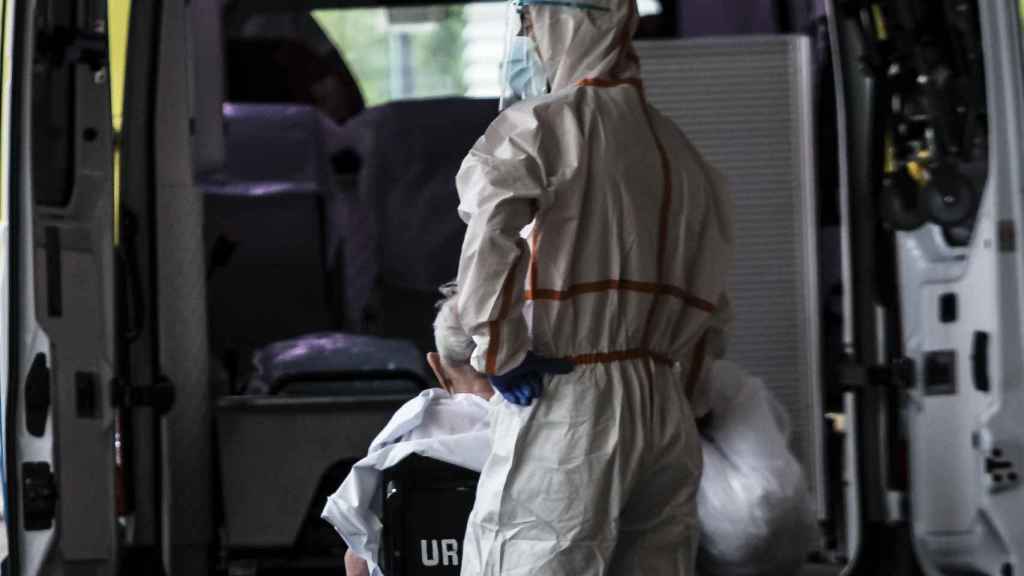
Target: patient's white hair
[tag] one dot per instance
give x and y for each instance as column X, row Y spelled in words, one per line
column 454, row 345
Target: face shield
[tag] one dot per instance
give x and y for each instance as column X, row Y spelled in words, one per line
column 523, row 74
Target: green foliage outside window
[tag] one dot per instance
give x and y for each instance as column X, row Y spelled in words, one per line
column 367, row 42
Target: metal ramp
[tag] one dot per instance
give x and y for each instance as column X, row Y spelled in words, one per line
column 747, row 104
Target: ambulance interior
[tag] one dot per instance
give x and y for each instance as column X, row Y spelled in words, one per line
column 334, row 200
column 305, row 155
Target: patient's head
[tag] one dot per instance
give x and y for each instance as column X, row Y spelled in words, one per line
column 454, row 347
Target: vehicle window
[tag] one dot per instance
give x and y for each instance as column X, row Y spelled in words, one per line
column 421, row 51
column 650, row 7
column 425, row 51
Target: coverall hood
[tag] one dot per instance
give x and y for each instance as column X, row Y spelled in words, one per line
column 586, row 40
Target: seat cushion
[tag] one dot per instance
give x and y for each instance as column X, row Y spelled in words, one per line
column 338, row 364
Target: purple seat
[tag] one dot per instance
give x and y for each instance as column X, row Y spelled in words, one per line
column 724, row 17
column 267, row 217
column 410, row 153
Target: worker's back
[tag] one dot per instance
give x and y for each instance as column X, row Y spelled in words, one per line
column 624, row 268
column 621, row 236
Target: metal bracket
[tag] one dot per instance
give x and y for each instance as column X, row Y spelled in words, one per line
column 898, row 374
column 160, row 396
column 60, row 46
column 39, row 495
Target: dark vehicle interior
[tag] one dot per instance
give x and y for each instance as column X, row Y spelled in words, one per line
column 319, row 246
column 288, row 213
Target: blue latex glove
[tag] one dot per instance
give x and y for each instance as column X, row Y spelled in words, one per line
column 525, row 382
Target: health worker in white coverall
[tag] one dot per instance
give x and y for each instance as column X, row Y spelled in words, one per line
column 595, row 459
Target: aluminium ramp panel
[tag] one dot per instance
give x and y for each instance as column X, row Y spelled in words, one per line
column 747, row 104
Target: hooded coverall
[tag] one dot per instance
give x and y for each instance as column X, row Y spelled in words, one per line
column 624, row 274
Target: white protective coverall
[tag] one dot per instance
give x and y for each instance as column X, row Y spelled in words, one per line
column 625, row 272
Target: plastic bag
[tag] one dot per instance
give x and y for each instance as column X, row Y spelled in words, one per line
column 756, row 515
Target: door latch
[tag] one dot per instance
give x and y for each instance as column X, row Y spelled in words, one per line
column 159, row 396
column 38, row 496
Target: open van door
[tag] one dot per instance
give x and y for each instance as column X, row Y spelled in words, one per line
column 59, row 415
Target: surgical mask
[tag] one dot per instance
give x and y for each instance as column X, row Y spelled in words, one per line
column 524, row 72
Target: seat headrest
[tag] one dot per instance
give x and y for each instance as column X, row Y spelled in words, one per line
column 279, row 143
column 287, row 70
column 411, row 152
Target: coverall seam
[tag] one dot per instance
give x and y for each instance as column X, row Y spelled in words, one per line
column 606, row 83
column 666, row 205
column 613, row 357
column 534, row 266
column 620, row 285
column 494, row 326
column 696, row 365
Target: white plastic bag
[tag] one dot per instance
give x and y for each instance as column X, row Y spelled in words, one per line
column 755, row 510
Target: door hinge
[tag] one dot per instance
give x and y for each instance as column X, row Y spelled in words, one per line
column 898, row 374
column 159, row 396
column 60, row 46
column 38, row 496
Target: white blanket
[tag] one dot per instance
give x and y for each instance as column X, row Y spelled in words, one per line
column 435, row 424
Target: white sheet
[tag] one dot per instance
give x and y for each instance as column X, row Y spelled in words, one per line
column 435, row 424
